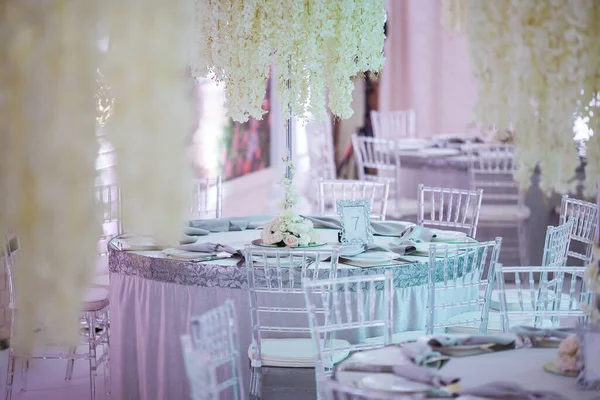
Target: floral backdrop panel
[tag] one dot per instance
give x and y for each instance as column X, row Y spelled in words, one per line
column 223, row 147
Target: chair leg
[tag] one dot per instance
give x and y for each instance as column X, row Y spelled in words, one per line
column 91, row 318
column 523, row 243
column 107, row 357
column 10, row 375
column 70, row 364
column 255, row 381
column 24, row 370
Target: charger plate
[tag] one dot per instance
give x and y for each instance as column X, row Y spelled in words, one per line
column 258, row 242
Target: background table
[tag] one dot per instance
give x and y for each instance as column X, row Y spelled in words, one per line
column 152, row 299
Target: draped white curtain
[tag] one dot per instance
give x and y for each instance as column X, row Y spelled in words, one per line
column 427, row 69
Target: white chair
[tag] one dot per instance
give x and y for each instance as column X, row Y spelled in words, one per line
column 585, row 221
column 95, row 332
column 109, row 198
column 347, row 305
column 393, row 124
column 459, row 286
column 206, row 198
column 330, row 191
column 449, row 208
column 543, row 301
column 212, row 350
column 378, row 161
column 492, row 169
column 278, row 309
column 556, row 247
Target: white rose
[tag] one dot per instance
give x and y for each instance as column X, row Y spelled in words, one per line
column 266, row 237
column 268, row 226
column 304, row 239
column 314, row 236
column 291, row 241
column 277, row 236
column 294, row 228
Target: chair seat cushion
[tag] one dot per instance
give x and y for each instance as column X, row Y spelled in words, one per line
column 102, row 281
column 503, row 212
column 400, row 337
column 298, row 353
column 95, row 299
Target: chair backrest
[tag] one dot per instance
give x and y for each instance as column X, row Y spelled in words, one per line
column 543, row 299
column 349, row 305
column 456, row 283
column 215, row 333
column 393, row 124
column 556, row 246
column 492, row 169
column 330, row 191
column 450, row 208
column 320, row 150
column 109, row 198
column 376, row 159
column 585, row 216
column 206, row 198
column 275, row 278
column 200, row 371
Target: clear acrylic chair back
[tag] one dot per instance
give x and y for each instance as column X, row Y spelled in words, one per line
column 393, row 124
column 275, row 277
column 206, row 198
column 556, row 245
column 360, row 306
column 450, row 208
column 200, row 371
column 330, row 191
column 460, row 281
column 585, row 216
column 544, row 301
column 376, row 159
column 215, row 333
column 320, row 150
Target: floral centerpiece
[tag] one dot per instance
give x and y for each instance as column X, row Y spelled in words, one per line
column 289, row 229
column 567, row 359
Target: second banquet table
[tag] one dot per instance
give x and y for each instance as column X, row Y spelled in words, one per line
column 153, row 297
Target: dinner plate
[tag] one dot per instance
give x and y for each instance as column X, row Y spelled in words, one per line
column 352, row 250
column 551, row 368
column 422, row 249
column 374, row 257
column 435, row 152
column 392, row 383
column 258, row 242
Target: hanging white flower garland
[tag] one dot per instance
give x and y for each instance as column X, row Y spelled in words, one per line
column 48, row 149
column 314, row 45
column 538, row 67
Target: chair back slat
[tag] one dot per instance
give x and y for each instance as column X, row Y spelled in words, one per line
column 206, row 198
column 585, row 216
column 330, row 191
column 393, row 124
column 556, row 245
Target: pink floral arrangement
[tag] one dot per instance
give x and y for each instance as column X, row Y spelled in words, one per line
column 568, row 355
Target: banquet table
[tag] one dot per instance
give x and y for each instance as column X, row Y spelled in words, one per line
column 523, row 367
column 153, row 297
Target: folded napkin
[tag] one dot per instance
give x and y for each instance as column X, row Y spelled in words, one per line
column 512, row 391
column 221, row 224
column 212, row 248
column 380, row 228
column 421, row 354
column 491, row 343
column 193, row 231
column 406, row 243
column 410, row 372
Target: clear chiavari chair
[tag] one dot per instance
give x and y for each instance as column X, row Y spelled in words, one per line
column 556, row 248
column 537, row 299
column 349, row 305
column 377, row 160
column 94, row 315
column 214, row 340
column 449, row 208
column 280, row 331
column 393, row 124
column 321, row 155
column 330, row 191
column 206, row 198
column 492, row 169
column 108, row 197
column 585, row 220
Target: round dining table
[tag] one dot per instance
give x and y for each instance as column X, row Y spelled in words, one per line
column 153, row 297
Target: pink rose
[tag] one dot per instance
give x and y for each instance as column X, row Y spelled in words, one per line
column 566, row 363
column 569, row 346
column 291, row 241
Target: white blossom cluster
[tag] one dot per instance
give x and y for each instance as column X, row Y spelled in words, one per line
column 538, row 68
column 316, row 47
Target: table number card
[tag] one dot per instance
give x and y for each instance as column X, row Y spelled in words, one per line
column 356, row 221
column 589, row 339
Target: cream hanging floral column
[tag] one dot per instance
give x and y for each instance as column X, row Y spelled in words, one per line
column 48, row 149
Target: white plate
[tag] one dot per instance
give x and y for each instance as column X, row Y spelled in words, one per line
column 435, row 152
column 374, row 257
column 351, row 250
column 422, row 249
column 392, row 383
